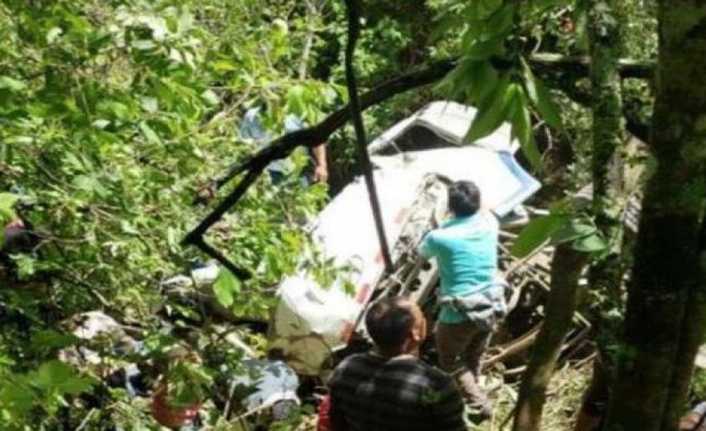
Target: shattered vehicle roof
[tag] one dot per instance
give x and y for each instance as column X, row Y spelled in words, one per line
column 312, row 320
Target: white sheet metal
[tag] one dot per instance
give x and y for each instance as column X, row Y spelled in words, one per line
column 449, row 120
column 311, row 320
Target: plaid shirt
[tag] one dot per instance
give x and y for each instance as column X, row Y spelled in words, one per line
column 373, row 393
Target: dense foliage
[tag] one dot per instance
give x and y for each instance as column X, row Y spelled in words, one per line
column 114, row 115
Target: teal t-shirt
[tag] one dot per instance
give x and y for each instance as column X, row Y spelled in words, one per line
column 466, row 250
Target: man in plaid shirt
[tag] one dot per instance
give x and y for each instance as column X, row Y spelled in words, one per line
column 390, row 388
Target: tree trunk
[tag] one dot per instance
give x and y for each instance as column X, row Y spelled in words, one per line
column 607, row 166
column 692, row 335
column 666, row 307
column 567, row 265
column 609, row 137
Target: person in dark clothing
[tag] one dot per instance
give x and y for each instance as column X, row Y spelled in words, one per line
column 390, row 388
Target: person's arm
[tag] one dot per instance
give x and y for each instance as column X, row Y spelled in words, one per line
column 427, row 248
column 320, row 163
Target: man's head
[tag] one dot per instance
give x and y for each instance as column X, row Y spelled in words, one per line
column 396, row 325
column 464, row 198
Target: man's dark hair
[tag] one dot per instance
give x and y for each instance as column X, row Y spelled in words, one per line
column 464, row 198
column 389, row 320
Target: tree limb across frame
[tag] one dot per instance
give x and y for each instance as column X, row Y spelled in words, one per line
column 311, row 136
column 284, row 145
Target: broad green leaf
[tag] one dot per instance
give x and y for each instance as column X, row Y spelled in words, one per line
column 225, row 287
column 58, row 376
column 11, row 84
column 546, row 107
column 522, row 130
column 501, row 22
column 19, row 398
column 537, row 233
column 50, row 339
column 573, row 230
column 492, row 112
column 62, row 378
column 540, row 97
column 481, row 81
column 593, row 243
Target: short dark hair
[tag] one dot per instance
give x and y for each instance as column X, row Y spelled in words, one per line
column 389, row 321
column 464, row 198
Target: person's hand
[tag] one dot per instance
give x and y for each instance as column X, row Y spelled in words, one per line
column 321, row 174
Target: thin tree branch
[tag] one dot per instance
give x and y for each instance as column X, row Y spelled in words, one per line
column 361, row 140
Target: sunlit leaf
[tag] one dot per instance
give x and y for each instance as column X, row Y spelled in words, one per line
column 540, row 97
column 537, row 233
column 11, row 84
column 149, row 133
column 492, row 112
column 225, row 287
column 522, row 130
column 593, row 243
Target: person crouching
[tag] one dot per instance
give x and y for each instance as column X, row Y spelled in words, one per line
column 390, row 388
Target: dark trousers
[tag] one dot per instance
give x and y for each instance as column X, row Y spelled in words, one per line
column 460, row 347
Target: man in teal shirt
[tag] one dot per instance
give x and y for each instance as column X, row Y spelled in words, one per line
column 466, row 250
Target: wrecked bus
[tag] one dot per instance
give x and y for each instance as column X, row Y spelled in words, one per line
column 413, row 161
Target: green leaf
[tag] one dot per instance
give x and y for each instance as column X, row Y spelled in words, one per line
column 537, row 233
column 225, row 287
column 522, row 130
column 482, row 80
column 210, row 97
column 50, row 339
column 295, row 100
column 224, row 66
column 17, row 397
column 540, row 97
column 593, row 243
column 501, row 22
column 575, row 229
column 11, row 84
column 492, row 112
column 7, row 202
column 546, row 107
column 149, row 133
column 58, row 376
